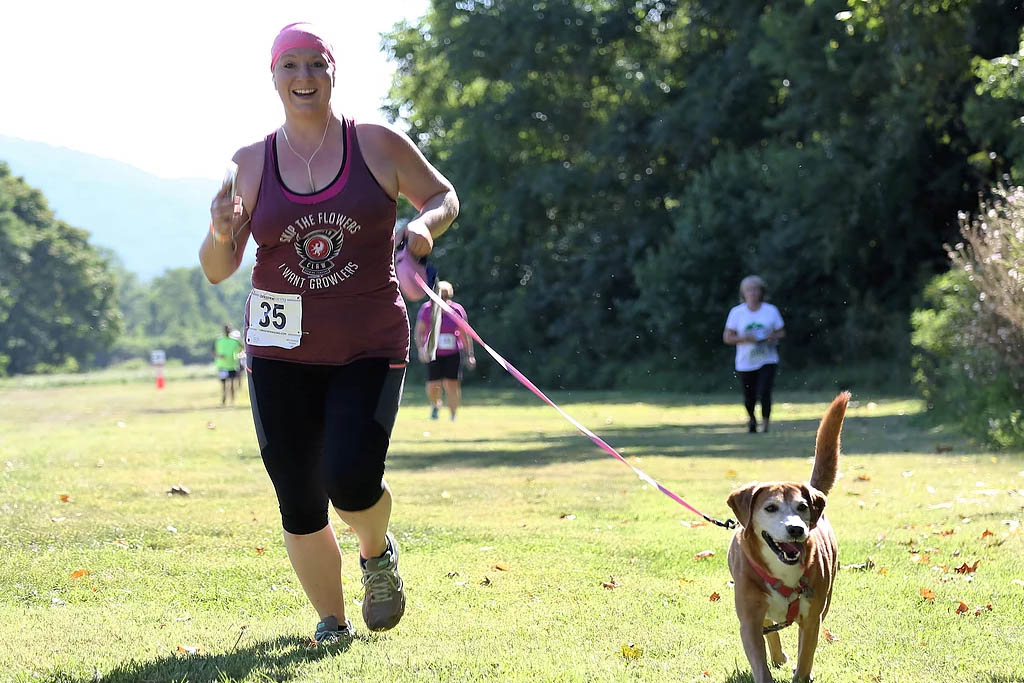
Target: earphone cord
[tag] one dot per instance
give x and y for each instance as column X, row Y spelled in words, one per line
column 309, row 168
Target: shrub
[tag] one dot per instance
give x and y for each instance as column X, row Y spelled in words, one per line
column 970, row 341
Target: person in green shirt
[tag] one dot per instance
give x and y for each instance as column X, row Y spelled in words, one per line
column 225, row 352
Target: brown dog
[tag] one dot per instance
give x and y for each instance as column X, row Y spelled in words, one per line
column 783, row 556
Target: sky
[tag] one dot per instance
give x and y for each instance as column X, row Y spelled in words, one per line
column 174, row 88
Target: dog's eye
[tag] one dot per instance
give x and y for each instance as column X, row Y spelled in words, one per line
column 802, row 507
column 771, row 508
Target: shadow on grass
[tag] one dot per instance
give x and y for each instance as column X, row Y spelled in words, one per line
column 278, row 659
column 212, row 409
column 788, row 439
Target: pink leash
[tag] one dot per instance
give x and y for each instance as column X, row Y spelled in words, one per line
column 525, row 381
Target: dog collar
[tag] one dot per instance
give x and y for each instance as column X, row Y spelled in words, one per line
column 793, row 594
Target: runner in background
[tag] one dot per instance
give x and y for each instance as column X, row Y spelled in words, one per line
column 226, row 350
column 445, row 371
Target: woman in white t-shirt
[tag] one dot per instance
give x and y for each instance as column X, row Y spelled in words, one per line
column 755, row 327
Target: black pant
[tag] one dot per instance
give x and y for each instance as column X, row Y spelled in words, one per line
column 324, row 432
column 757, row 386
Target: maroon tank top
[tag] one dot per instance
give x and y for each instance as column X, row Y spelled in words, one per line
column 335, row 250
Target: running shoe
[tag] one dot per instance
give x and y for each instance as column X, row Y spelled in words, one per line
column 384, row 598
column 329, row 631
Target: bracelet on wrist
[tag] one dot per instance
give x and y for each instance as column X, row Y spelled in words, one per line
column 217, row 237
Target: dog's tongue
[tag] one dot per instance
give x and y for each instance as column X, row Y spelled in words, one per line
column 790, row 548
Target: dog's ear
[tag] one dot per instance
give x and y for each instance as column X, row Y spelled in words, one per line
column 742, row 502
column 815, row 499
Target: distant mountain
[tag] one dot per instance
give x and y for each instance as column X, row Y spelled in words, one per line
column 151, row 223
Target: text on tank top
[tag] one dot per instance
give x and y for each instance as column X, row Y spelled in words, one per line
column 334, row 251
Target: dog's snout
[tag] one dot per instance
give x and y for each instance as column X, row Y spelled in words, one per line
column 795, row 531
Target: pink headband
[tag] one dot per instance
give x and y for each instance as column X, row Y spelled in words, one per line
column 296, row 36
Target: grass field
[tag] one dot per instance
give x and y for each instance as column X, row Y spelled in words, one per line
column 510, row 524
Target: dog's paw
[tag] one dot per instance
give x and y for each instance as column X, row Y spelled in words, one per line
column 801, row 679
column 781, row 661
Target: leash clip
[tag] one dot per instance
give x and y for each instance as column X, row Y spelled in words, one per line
column 727, row 524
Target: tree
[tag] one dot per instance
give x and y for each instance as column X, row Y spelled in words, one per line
column 622, row 165
column 58, row 305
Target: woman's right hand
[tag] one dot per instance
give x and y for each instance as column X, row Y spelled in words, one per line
column 226, row 213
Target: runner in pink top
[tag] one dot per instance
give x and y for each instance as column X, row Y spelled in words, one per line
column 444, row 371
column 327, row 334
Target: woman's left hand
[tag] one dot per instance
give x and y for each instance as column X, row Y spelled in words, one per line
column 471, row 362
column 419, row 239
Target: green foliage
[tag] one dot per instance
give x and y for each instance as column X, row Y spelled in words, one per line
column 622, row 165
column 994, row 118
column 58, row 304
column 179, row 312
column 970, row 338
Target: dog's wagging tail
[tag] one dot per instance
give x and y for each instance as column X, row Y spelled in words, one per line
column 826, row 445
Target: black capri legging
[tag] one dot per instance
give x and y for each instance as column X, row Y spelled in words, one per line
column 324, row 432
column 757, row 386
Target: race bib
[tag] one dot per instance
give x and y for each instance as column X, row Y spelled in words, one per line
column 447, row 342
column 274, row 319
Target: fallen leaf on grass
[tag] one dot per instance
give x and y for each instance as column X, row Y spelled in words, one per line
column 631, row 651
column 731, row 473
column 567, row 516
column 611, row 583
column 121, row 543
column 922, row 558
column 259, row 550
column 945, row 532
column 961, row 608
column 452, row 575
column 704, row 554
column 57, row 520
column 715, row 597
column 986, row 533
column 190, row 649
column 485, row 582
column 883, row 570
column 967, row 568
column 988, row 606
column 500, row 567
column 63, row 498
column 862, row 477
column 829, row 636
column 178, row 490
column 928, row 594
column 79, row 573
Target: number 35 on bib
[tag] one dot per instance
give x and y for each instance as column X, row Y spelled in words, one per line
column 274, row 319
